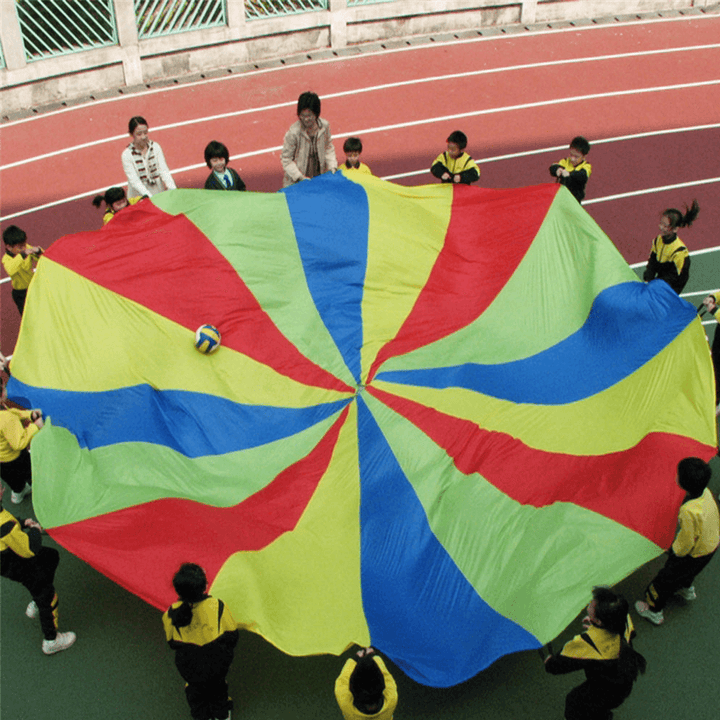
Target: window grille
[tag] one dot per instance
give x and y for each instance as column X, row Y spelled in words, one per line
column 58, row 27
column 255, row 9
column 166, row 17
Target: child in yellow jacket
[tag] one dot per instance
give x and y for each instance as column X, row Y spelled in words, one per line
column 23, row 559
column 695, row 544
column 19, row 260
column 365, row 688
column 17, row 429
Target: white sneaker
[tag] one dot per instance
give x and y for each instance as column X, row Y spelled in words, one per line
column 643, row 609
column 32, row 610
column 62, row 642
column 687, row 593
column 18, row 497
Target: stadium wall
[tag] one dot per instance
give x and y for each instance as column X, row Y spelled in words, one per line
column 243, row 44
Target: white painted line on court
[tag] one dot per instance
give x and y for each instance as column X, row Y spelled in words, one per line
column 662, row 188
column 387, row 86
column 693, row 253
column 385, row 51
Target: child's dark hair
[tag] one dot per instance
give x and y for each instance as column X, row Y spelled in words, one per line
column 216, row 149
column 190, row 584
column 112, row 195
column 309, row 101
column 367, row 685
column 135, row 121
column 693, row 476
column 686, row 219
column 13, row 235
column 352, row 145
column 612, row 609
column 459, row 138
column 580, row 144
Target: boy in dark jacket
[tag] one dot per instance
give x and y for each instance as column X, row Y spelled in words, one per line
column 222, row 177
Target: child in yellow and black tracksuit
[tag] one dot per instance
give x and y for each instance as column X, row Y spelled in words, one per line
column 365, row 688
column 19, row 260
column 669, row 259
column 604, row 651
column 17, row 429
column 24, row 560
column 203, row 634
column 455, row 165
column 574, row 171
column 697, row 540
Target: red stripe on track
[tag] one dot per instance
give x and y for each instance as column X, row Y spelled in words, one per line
column 141, row 547
column 479, row 256
column 635, row 487
column 147, row 255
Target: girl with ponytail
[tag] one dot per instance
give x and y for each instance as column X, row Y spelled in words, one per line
column 605, row 652
column 203, row 634
column 669, row 258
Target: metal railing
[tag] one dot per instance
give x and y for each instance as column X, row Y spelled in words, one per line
column 255, row 9
column 51, row 28
column 167, row 17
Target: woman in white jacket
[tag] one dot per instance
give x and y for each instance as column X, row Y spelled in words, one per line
column 307, row 149
column 144, row 163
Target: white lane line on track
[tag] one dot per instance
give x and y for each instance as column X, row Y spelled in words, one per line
column 526, row 153
column 702, row 251
column 386, row 51
column 555, row 148
column 377, row 88
column 663, row 188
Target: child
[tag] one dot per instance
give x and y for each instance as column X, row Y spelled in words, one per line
column 711, row 305
column 203, row 635
column 18, row 261
column 115, row 201
column 222, row 177
column 365, row 688
column 573, row 171
column 144, row 163
column 17, row 429
column 24, row 560
column 352, row 148
column 669, row 259
column 455, row 165
column 604, row 651
column 695, row 544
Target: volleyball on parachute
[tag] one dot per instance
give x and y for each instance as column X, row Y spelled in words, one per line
column 441, row 414
column 207, row 339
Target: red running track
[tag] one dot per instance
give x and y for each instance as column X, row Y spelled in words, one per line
column 524, row 94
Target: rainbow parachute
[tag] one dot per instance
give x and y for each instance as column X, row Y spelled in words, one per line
column 439, row 414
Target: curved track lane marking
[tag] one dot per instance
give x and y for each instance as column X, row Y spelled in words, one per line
column 388, row 86
column 385, row 51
